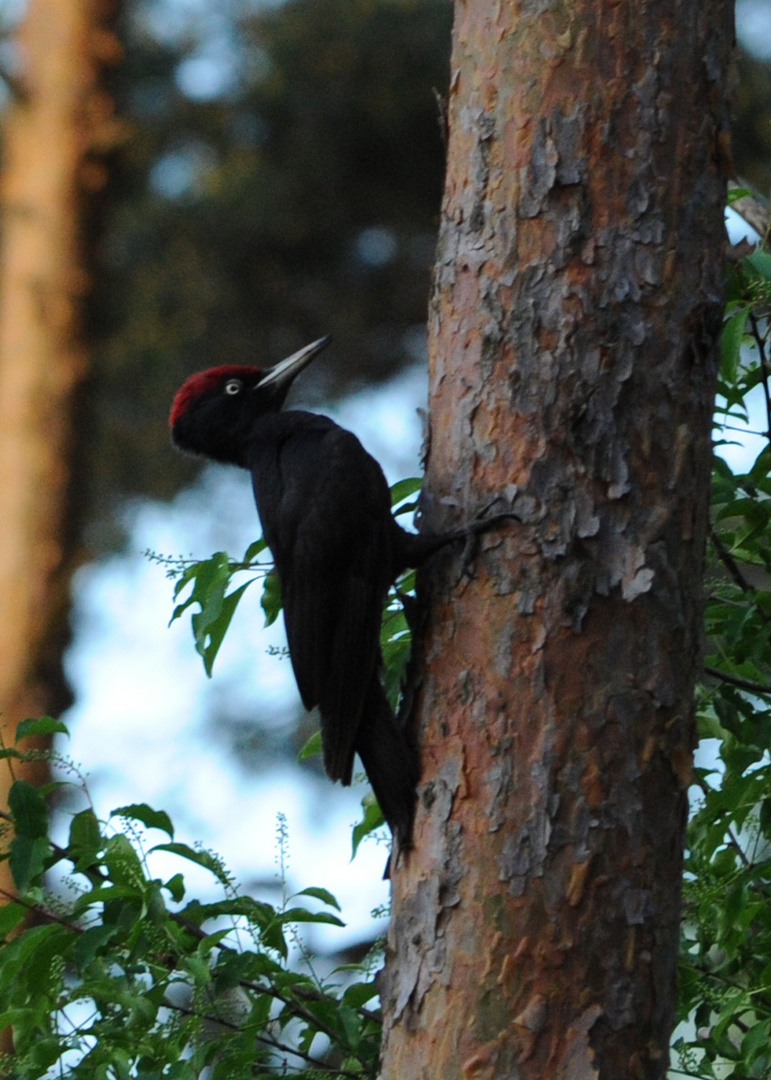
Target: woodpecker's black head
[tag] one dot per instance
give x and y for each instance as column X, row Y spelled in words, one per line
column 214, row 411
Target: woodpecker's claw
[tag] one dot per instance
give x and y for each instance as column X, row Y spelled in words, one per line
column 480, row 516
column 470, row 552
column 481, row 524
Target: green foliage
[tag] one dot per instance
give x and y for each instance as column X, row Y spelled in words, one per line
column 120, row 975
column 725, row 980
column 210, row 579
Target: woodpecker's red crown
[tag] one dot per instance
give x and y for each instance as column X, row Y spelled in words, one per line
column 204, row 381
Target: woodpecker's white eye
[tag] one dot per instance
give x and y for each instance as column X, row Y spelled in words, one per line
column 233, row 386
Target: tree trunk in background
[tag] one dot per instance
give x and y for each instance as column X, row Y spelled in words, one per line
column 573, row 355
column 55, row 132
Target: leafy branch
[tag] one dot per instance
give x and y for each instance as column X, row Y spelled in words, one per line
column 726, row 943
column 124, row 972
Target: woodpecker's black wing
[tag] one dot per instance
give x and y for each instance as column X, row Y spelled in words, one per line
column 325, row 510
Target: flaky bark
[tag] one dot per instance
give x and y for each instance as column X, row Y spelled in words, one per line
column 54, row 135
column 573, row 355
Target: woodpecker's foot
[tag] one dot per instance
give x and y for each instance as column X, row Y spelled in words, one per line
column 470, row 552
column 416, row 548
column 471, row 532
column 481, row 523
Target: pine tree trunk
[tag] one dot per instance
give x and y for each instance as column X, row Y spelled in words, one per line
column 55, row 132
column 573, row 352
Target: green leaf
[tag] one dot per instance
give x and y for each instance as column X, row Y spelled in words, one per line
column 176, row 887
column 255, row 548
column 759, row 263
column 11, row 916
column 29, row 811
column 256, row 911
column 182, row 1070
column 85, row 839
column 219, row 627
column 371, row 820
column 211, row 941
column 209, row 593
column 402, row 489
column 42, row 725
column 201, row 858
column 199, row 969
column 14, row 956
column 358, row 994
column 755, row 1041
column 271, row 597
column 301, row 915
column 151, row 819
column 737, row 193
column 324, row 895
column 312, row 746
column 272, row 937
column 351, row 1024
column 28, row 860
column 91, row 942
column 123, row 863
column 11, row 1018
column 45, row 1052
column 105, row 894
column 733, row 335
column 38, row 961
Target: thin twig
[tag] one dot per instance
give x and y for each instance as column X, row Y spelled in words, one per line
column 737, row 680
column 740, row 605
column 42, row 913
column 730, row 562
column 744, row 431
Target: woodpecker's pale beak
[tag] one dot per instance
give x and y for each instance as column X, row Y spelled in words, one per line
column 288, row 369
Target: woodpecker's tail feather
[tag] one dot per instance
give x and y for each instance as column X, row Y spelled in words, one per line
column 389, row 761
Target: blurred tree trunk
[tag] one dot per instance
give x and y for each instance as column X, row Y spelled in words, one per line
column 574, row 332
column 55, row 133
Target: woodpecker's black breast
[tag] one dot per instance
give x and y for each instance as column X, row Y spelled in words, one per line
column 325, row 510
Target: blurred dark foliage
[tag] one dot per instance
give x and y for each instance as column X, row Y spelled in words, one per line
column 751, row 136
column 300, row 201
